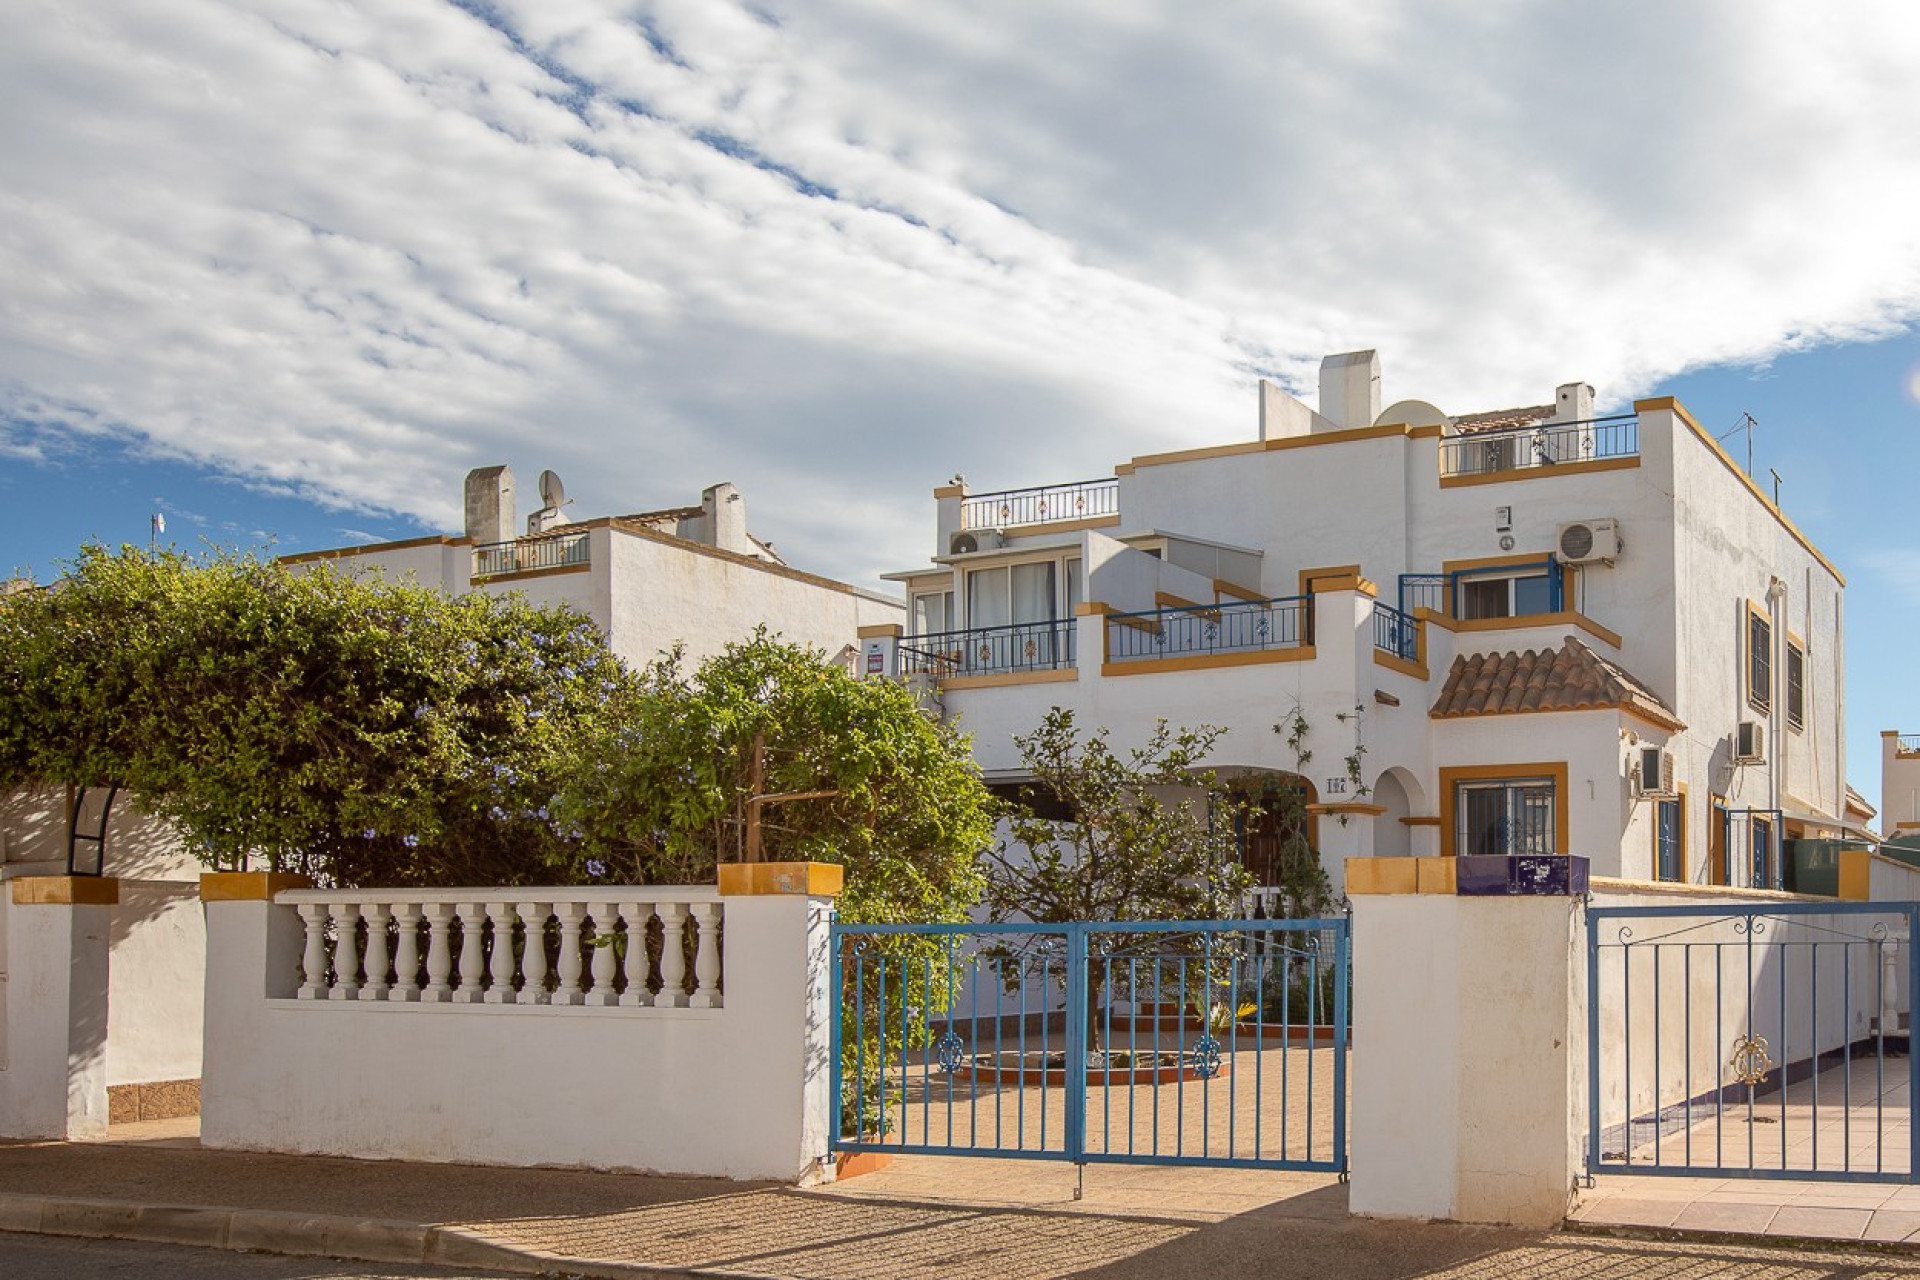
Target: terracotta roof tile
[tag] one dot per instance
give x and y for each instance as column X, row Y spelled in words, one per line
column 1502, row 419
column 1570, row 678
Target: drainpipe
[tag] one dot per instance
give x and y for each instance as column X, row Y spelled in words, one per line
column 1777, row 711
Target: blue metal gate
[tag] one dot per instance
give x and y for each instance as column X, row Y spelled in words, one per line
column 1191, row 1042
column 1753, row 1040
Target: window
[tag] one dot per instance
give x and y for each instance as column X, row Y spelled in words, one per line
column 1505, row 816
column 1759, row 661
column 1796, row 684
column 1512, row 597
column 1760, row 834
column 932, row 612
column 1015, row 595
column 1669, row 840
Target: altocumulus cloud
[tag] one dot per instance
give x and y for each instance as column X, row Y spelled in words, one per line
column 835, row 250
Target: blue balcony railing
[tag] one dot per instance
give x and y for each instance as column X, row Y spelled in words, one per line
column 986, row 651
column 1240, row 627
column 1548, row 445
column 552, row 551
column 1395, row 633
column 1041, row 505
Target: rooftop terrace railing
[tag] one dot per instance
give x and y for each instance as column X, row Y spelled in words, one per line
column 986, row 651
column 551, row 551
column 1044, row 504
column 1395, row 633
column 1908, row 744
column 1547, row 445
column 1192, row 630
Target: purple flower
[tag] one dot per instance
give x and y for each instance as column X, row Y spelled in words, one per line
column 596, row 868
column 412, row 842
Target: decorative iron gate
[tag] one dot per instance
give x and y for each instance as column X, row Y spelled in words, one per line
column 1753, row 1040
column 1205, row 1042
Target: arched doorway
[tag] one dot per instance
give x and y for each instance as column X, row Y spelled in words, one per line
column 1276, row 834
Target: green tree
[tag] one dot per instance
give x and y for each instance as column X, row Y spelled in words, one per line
column 660, row 793
column 1142, row 835
column 364, row 731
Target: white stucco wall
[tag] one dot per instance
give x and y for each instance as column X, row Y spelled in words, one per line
column 156, row 978
column 736, row 1092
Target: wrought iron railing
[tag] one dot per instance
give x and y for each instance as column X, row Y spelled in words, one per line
column 1424, row 591
column 1908, row 744
column 1547, row 445
column 1239, row 627
column 1041, row 505
column 1395, row 633
column 556, row 551
column 983, row 651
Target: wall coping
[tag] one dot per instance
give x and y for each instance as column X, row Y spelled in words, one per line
column 248, row 886
column 813, row 879
column 65, row 891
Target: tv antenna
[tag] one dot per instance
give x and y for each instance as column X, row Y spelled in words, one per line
column 1747, row 423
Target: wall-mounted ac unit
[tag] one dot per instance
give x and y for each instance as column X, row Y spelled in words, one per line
column 1588, row 541
column 1653, row 772
column 968, row 541
column 1750, row 743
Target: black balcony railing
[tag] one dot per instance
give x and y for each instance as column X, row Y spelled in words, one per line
column 553, row 551
column 1548, row 445
column 986, row 651
column 1395, row 633
column 1240, row 627
column 1042, row 505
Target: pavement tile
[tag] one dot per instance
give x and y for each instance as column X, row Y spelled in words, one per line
column 1892, row 1224
column 1820, row 1222
column 1714, row 1215
column 1633, row 1211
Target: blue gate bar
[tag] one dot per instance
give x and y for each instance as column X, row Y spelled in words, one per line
column 1760, row 1010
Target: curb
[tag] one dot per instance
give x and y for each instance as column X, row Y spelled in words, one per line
column 311, row 1235
column 1735, row 1239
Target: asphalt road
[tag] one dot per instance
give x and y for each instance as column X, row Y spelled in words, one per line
column 24, row 1257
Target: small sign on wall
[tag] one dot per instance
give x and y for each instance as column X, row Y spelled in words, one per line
column 877, row 657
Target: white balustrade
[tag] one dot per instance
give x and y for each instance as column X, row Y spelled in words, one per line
column 588, row 948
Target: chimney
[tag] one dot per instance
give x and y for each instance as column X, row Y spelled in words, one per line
column 725, row 511
column 1573, row 402
column 1350, row 389
column 490, row 505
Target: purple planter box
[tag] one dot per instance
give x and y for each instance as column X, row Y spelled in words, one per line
column 1525, row 874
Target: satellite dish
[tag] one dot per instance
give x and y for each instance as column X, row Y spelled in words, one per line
column 553, row 494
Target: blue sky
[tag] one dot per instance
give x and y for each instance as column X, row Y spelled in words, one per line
column 292, row 267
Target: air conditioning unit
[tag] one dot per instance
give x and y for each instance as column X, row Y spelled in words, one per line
column 1750, row 743
column 1588, row 541
column 968, row 541
column 1653, row 772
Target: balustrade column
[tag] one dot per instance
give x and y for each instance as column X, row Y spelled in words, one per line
column 439, row 954
column 313, row 965
column 569, row 914
column 472, row 952
column 533, row 953
column 346, row 952
column 377, row 985
column 605, row 938
column 500, row 971
column 673, row 961
column 406, row 952
column 637, row 995
column 706, row 956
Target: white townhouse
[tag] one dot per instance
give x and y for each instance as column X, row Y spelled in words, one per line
column 693, row 575
column 1530, row 631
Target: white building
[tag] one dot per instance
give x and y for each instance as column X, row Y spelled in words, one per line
column 1535, row 630
column 688, row 575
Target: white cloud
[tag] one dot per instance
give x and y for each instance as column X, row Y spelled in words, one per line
column 834, row 251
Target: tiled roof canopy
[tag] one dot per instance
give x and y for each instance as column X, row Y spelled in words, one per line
column 1570, row 678
column 1502, row 419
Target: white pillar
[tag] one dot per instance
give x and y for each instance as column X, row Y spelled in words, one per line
column 55, row 1040
column 254, row 952
column 1468, row 1095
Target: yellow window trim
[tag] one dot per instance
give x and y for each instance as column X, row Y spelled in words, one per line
column 1452, row 776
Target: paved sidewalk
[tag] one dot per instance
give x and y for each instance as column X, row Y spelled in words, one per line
column 904, row 1224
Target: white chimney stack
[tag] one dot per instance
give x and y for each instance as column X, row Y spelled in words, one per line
column 490, row 505
column 1350, row 389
